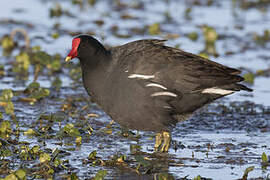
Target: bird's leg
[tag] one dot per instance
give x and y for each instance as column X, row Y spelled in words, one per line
column 109, row 125
column 158, row 142
column 112, row 121
column 166, row 141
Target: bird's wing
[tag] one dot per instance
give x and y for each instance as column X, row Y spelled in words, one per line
column 167, row 81
column 174, row 68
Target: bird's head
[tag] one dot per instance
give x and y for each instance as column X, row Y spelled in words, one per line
column 85, row 47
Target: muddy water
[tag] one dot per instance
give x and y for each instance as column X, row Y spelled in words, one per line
column 220, row 141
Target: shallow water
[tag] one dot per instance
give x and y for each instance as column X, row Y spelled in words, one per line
column 237, row 136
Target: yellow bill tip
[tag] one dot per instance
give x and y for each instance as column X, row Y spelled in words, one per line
column 68, row 58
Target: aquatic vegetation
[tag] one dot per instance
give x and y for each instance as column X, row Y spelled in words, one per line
column 193, row 36
column 247, row 4
column 70, row 130
column 248, row 170
column 5, row 101
column 22, row 63
column 49, row 129
column 56, row 11
column 265, row 161
column 7, row 44
column 100, row 175
column 264, row 158
column 262, row 39
column 154, row 29
column 249, row 77
column 35, row 92
column 210, row 38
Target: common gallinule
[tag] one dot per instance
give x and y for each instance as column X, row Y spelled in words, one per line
column 148, row 86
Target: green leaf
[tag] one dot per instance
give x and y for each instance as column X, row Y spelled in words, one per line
column 210, row 34
column 142, row 161
column 56, row 11
column 9, row 108
column 5, row 127
column 55, row 63
column 55, row 35
column 22, row 62
column 92, row 2
column 35, row 149
column 42, row 93
column 42, row 57
column 36, row 48
column 21, row 174
column 134, row 148
column 7, row 95
column 2, row 70
column 57, row 83
column 36, row 91
column 7, row 43
column 32, row 87
column 73, row 176
column 11, row 177
column 78, row 140
column 100, row 175
column 249, row 77
column 44, row 157
column 154, row 29
column 264, row 158
column 193, row 36
column 197, row 178
column 5, row 152
column 57, row 162
column 92, row 155
column 71, row 130
column 30, row 132
column 165, row 176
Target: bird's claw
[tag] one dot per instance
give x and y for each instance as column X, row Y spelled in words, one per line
column 163, row 141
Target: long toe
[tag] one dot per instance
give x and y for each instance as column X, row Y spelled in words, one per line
column 159, row 139
column 166, row 142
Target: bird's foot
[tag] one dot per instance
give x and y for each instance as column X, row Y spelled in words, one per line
column 158, row 142
column 163, row 141
column 166, row 142
column 109, row 125
column 112, row 121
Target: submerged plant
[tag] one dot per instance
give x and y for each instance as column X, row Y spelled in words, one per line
column 100, row 175
column 154, row 29
column 263, row 39
column 5, row 101
column 210, row 38
column 7, row 44
column 35, row 92
column 248, row 170
column 22, row 63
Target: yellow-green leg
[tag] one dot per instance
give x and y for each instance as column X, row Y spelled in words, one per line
column 166, row 142
column 158, row 142
column 112, row 121
column 163, row 141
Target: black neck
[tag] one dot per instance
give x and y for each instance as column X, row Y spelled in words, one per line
column 99, row 58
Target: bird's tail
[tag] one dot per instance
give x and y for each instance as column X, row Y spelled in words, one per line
column 237, row 87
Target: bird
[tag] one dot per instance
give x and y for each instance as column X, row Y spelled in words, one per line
column 148, row 86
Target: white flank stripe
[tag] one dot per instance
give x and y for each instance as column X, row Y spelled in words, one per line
column 163, row 94
column 217, row 91
column 141, row 76
column 156, row 85
column 167, row 107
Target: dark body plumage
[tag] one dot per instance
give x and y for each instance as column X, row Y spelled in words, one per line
column 146, row 85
